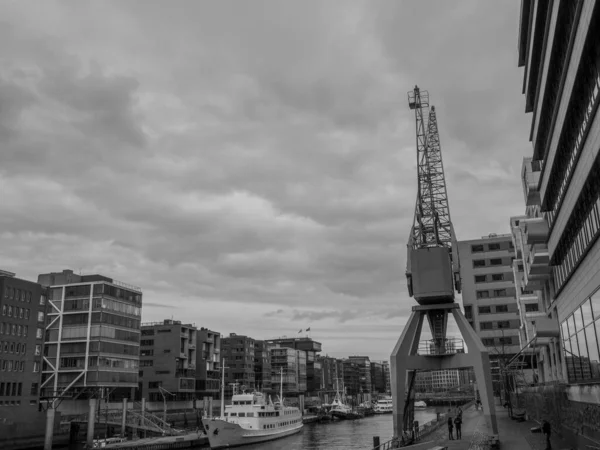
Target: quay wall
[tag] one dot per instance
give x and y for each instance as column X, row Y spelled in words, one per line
column 572, row 410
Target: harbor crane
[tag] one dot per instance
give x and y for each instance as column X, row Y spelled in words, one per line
column 433, row 277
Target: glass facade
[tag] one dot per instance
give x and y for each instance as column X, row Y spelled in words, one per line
column 581, row 344
column 92, row 336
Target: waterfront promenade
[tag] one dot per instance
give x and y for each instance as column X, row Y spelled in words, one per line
column 513, row 435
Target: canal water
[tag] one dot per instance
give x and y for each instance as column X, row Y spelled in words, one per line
column 343, row 434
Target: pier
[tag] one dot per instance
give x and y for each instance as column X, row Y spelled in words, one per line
column 476, row 435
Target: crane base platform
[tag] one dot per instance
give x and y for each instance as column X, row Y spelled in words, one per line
column 405, row 358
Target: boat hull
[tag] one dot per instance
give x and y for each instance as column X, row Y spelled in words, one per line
column 229, row 435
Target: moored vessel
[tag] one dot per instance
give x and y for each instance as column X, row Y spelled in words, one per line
column 251, row 419
column 384, row 406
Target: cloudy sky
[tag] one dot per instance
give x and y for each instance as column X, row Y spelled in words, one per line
column 252, row 165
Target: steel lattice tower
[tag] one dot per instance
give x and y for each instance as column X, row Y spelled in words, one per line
column 432, row 226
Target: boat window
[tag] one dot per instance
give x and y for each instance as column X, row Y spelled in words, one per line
column 241, row 414
column 250, row 414
column 233, row 414
column 226, row 414
column 236, row 403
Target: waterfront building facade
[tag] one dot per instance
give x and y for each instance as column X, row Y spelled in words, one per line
column 351, row 377
column 377, row 377
column 168, row 361
column 208, row 363
column 23, row 304
column 332, row 370
column 364, row 366
column 92, row 335
column 559, row 49
column 262, row 366
column 489, row 298
column 238, row 356
column 386, row 373
column 311, row 349
column 285, row 370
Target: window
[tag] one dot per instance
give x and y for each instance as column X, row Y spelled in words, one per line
column 499, row 292
column 494, row 247
column 503, row 324
column 488, row 342
column 38, row 350
column 479, row 278
column 498, row 277
column 154, row 384
column 146, row 352
column 40, row 316
column 468, row 311
column 34, row 389
column 147, row 342
column 479, row 263
column 485, row 310
column 495, row 262
column 39, row 333
column 3, row 310
column 10, row 309
column 485, row 325
column 531, row 307
column 483, row 294
column 27, row 314
column 501, row 308
column 506, row 340
column 476, row 248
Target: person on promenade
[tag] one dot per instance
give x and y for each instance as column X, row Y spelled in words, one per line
column 547, row 430
column 458, row 424
column 450, row 428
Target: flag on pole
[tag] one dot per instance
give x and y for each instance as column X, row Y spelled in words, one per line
column 308, row 329
column 300, row 331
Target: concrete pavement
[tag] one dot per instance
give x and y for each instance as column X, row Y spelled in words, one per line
column 513, row 435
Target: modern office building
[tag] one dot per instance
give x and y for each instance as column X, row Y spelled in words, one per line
column 208, row 363
column 489, row 297
column 377, row 377
column 364, row 364
column 238, row 356
column 424, row 381
column 284, row 369
column 332, row 374
column 168, row 361
column 558, row 47
column 311, row 349
column 351, row 377
column 437, row 380
column 23, row 305
column 262, row 366
column 92, row 335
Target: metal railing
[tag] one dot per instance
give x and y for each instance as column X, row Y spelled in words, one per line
column 445, row 346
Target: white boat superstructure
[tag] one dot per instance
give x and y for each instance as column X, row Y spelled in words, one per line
column 384, row 406
column 420, row 405
column 251, row 419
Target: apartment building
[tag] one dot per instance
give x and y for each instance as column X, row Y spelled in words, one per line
column 377, row 377
column 23, row 305
column 208, row 363
column 489, row 297
column 285, row 371
column 311, row 349
column 386, row 372
column 560, row 252
column 168, row 361
column 92, row 335
column 262, row 366
column 364, row 364
column 351, row 377
column 238, row 357
column 437, row 380
column 332, row 374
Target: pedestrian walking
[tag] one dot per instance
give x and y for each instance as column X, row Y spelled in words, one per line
column 450, row 428
column 458, row 425
column 547, row 430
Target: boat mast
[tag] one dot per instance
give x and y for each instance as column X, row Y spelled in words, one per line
column 223, row 389
column 281, row 387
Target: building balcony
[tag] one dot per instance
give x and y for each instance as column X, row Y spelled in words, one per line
column 530, row 175
column 185, row 373
column 534, row 315
column 183, row 355
column 539, row 255
column 535, row 230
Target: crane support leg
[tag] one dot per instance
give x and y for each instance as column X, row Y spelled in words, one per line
column 405, row 357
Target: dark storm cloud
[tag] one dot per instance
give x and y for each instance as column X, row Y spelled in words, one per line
column 252, row 164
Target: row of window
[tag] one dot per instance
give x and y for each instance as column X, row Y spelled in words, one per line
column 99, row 289
column 13, row 329
column 11, row 389
column 574, row 249
column 499, row 325
column 17, row 294
column 13, row 347
column 102, row 331
column 492, row 247
column 580, row 112
column 19, row 313
column 493, row 309
column 581, row 341
column 494, row 293
column 9, row 365
column 493, row 262
column 490, row 278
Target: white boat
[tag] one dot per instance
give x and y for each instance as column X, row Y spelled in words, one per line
column 251, row 419
column 420, row 405
column 384, row 406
